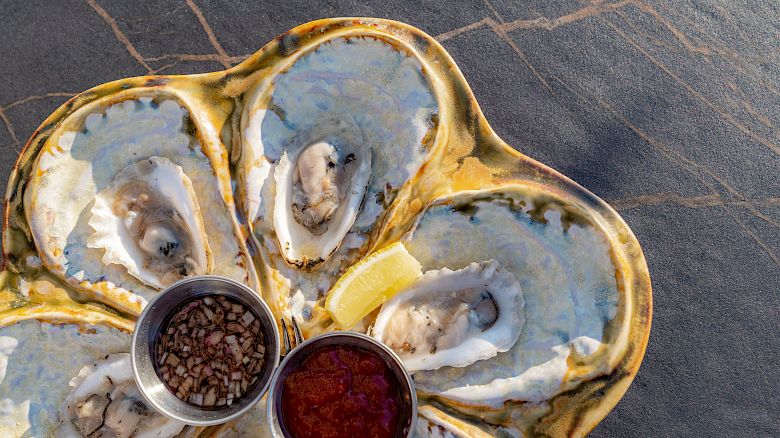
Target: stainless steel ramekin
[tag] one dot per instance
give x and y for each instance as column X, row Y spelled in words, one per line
column 408, row 417
column 156, row 315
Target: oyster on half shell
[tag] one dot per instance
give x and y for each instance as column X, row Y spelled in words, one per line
column 562, row 262
column 105, row 402
column 319, row 191
column 127, row 198
column 37, row 362
column 148, row 220
column 453, row 318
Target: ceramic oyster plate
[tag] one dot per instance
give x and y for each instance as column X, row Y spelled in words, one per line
column 337, row 138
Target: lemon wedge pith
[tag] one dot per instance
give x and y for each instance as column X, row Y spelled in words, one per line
column 371, row 282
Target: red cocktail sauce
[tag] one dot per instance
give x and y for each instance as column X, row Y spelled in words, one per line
column 341, row 391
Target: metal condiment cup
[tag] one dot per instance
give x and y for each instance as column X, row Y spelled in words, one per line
column 154, row 319
column 408, row 416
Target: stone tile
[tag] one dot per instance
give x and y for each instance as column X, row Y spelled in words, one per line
column 57, row 46
column 710, row 367
column 561, row 129
column 764, row 222
column 245, row 27
column 727, row 81
column 509, row 10
column 740, row 25
column 5, row 134
column 160, row 27
column 590, row 55
column 8, row 154
column 187, row 67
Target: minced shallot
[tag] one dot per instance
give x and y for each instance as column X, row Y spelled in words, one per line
column 211, row 351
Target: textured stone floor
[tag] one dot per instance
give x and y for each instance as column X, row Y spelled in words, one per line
column 668, row 110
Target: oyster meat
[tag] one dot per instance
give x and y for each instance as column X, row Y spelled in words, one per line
column 121, row 195
column 453, row 318
column 318, row 196
column 105, row 402
column 148, row 220
column 37, row 360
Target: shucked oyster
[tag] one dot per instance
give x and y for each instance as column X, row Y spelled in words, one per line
column 37, row 360
column 122, row 194
column 45, row 367
column 148, row 220
column 453, row 318
column 570, row 291
column 340, row 122
column 105, row 402
column 319, row 190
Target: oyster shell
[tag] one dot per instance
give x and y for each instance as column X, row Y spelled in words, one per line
column 433, row 423
column 106, row 402
column 453, row 318
column 148, row 220
column 362, row 105
column 563, row 263
column 81, row 168
column 37, row 360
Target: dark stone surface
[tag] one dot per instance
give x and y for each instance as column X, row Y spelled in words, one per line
column 245, row 26
column 668, row 110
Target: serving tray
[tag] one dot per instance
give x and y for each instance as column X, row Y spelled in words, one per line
column 441, row 181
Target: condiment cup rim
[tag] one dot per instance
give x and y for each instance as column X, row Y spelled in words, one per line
column 152, row 320
column 406, row 384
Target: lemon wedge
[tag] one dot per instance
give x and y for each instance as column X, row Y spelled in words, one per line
column 371, row 282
